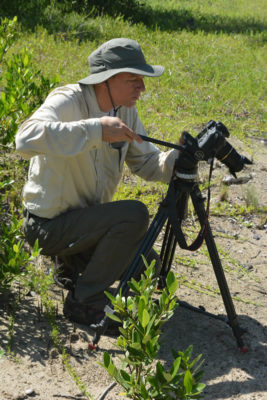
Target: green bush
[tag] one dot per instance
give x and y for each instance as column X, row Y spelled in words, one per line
column 132, row 10
column 24, row 86
column 28, row 11
column 142, row 318
column 70, row 25
column 35, row 12
column 13, row 257
column 23, row 90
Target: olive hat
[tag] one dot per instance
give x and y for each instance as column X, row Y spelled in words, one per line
column 116, row 56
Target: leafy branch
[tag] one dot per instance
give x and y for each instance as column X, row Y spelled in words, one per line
column 141, row 318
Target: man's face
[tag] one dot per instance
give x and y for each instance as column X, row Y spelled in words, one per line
column 126, row 88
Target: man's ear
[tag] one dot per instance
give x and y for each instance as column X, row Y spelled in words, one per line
column 100, row 85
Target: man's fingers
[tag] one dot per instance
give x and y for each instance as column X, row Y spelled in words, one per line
column 138, row 138
column 133, row 136
column 130, row 135
column 114, row 130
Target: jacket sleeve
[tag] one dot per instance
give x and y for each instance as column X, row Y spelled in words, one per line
column 57, row 128
column 147, row 161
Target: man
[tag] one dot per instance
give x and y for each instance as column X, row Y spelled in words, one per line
column 77, row 142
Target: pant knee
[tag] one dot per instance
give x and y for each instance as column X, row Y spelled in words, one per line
column 139, row 215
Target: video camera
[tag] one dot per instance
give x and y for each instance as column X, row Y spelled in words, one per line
column 209, row 143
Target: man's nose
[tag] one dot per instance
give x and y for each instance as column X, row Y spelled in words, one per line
column 141, row 85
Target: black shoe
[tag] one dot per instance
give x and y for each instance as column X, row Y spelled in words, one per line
column 63, row 275
column 87, row 315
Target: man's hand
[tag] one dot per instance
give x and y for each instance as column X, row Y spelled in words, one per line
column 114, row 130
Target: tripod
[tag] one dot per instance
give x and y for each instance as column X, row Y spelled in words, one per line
column 172, row 210
column 209, row 143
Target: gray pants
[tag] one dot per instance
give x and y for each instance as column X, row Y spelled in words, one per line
column 98, row 241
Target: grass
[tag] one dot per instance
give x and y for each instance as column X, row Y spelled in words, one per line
column 214, row 73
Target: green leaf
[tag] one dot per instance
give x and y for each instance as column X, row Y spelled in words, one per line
column 134, row 352
column 141, row 307
column 15, row 248
column 145, row 261
column 175, row 366
column 159, row 373
column 125, row 376
column 36, row 250
column 114, row 317
column 167, row 376
column 145, row 318
column 12, row 262
column 123, row 331
column 112, row 369
column 26, row 59
column 199, row 388
column 188, row 352
column 136, row 338
column 188, row 381
column 146, row 338
column 109, row 296
column 144, row 392
column 108, row 363
column 106, row 359
column 172, row 283
column 151, row 322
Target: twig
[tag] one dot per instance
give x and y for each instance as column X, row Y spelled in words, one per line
column 111, row 386
column 66, row 396
column 256, row 254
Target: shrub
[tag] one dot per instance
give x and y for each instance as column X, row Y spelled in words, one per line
column 142, row 318
column 132, row 10
column 13, row 257
column 34, row 12
column 24, row 86
column 24, row 89
column 27, row 11
column 71, row 25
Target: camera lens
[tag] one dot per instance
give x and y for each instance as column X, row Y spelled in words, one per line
column 231, row 158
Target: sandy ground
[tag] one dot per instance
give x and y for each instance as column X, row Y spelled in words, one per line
column 36, row 370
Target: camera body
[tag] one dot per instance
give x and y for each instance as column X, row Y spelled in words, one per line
column 210, row 142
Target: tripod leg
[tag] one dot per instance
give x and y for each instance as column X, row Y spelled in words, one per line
column 197, row 200
column 170, row 241
column 146, row 245
column 166, row 255
column 133, row 270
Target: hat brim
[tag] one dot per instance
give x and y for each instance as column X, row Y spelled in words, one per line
column 147, row 70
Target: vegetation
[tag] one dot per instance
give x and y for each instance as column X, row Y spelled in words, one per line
column 24, row 86
column 214, row 58
column 24, row 89
column 142, row 318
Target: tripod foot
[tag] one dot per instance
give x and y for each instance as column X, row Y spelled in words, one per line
column 243, row 349
column 92, row 347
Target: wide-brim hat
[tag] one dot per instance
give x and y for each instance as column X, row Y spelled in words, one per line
column 116, row 56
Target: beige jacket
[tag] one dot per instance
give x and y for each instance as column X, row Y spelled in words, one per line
column 70, row 165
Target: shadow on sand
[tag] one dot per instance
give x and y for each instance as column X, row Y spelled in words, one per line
column 227, row 371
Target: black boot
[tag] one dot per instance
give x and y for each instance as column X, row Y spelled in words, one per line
column 64, row 276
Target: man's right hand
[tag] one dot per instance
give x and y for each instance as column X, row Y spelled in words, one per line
column 114, row 130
